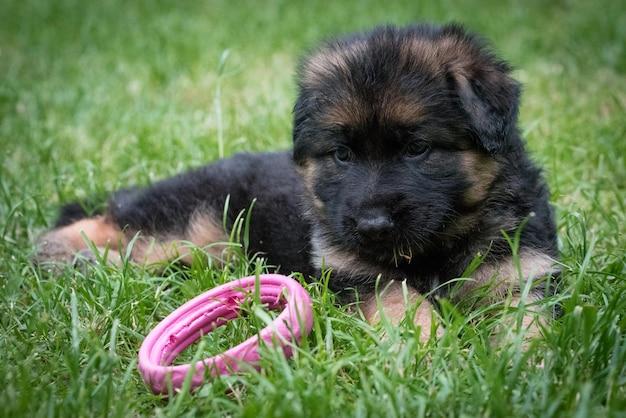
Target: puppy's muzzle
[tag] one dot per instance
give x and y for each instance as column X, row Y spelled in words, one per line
column 374, row 224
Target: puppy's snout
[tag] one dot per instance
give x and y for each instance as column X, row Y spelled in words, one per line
column 374, row 224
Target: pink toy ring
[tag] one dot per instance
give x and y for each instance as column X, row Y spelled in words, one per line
column 213, row 309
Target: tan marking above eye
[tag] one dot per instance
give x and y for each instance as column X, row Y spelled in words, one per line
column 398, row 108
column 344, row 112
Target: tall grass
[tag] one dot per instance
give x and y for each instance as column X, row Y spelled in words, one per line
column 99, row 95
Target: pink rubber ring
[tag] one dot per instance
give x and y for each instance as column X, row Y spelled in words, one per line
column 213, row 309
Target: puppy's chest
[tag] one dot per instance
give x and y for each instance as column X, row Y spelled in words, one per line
column 350, row 269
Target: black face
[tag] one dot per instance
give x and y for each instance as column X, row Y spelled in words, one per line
column 389, row 134
column 386, row 192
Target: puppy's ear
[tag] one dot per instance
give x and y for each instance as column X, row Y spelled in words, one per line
column 484, row 87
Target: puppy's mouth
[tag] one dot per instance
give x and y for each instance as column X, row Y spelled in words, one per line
column 393, row 250
column 393, row 245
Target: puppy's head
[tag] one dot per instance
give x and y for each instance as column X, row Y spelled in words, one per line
column 398, row 133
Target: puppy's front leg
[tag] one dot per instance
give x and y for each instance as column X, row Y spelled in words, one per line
column 394, row 303
column 503, row 281
column 532, row 320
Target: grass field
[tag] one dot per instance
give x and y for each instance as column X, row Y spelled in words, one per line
column 103, row 95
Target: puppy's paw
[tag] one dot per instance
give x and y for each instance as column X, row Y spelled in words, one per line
column 83, row 259
column 510, row 331
column 397, row 302
column 53, row 253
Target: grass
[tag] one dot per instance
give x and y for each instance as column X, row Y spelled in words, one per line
column 98, row 96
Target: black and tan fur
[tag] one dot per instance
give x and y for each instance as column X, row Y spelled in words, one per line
column 407, row 163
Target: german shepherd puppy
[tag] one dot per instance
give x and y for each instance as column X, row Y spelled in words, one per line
column 407, row 164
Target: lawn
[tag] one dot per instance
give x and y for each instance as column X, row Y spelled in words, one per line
column 99, row 95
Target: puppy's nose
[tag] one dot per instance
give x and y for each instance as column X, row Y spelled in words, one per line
column 374, row 224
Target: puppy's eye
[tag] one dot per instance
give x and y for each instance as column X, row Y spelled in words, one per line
column 415, row 149
column 343, row 154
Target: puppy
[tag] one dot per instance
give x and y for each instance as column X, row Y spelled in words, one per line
column 407, row 164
